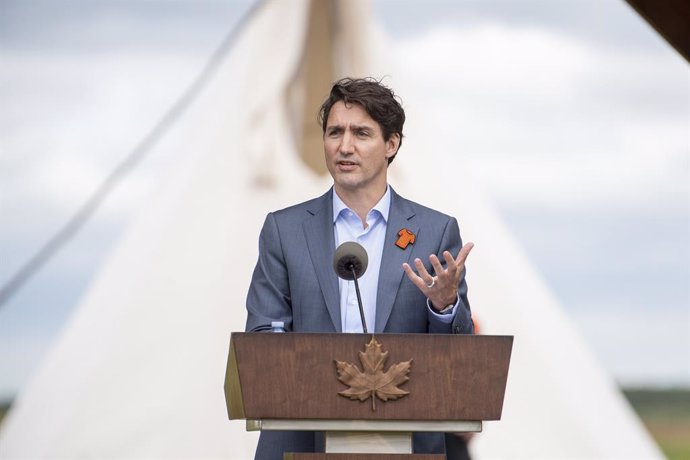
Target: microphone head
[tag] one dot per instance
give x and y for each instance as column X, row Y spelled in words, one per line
column 350, row 255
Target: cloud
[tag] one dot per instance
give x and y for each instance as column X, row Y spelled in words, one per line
column 69, row 121
column 93, row 27
column 546, row 118
column 663, row 355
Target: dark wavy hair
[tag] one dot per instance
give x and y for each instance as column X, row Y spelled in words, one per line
column 378, row 100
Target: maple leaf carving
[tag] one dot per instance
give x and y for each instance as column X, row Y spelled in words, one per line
column 373, row 382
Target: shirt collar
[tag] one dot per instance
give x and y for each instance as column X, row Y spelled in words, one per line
column 383, row 206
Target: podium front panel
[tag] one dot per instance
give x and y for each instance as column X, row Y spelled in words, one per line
column 294, row 376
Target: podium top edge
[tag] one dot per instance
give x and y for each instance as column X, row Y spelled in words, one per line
column 379, row 334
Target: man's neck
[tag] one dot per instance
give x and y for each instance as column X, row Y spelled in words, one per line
column 361, row 201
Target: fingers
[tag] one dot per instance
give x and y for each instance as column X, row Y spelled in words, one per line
column 450, row 261
column 447, row 276
column 414, row 278
column 438, row 268
column 464, row 252
column 421, row 269
column 452, row 264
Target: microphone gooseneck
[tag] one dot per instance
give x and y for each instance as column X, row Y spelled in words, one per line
column 350, row 262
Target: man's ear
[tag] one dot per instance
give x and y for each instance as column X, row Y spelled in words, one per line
column 392, row 145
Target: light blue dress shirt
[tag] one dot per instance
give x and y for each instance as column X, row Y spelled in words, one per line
column 348, row 227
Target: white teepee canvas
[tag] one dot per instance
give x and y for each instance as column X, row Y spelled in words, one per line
column 138, row 371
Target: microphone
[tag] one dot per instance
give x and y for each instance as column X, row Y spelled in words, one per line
column 350, row 262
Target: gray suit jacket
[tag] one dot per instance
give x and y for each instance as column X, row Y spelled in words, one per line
column 294, row 282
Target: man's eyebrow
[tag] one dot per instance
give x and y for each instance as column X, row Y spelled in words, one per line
column 352, row 127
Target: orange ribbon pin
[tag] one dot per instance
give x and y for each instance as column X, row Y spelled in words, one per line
column 405, row 238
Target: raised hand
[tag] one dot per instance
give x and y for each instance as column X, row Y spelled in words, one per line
column 441, row 289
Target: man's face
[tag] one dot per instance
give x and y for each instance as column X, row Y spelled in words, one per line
column 356, row 153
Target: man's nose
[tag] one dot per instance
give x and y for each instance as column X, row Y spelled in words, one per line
column 347, row 144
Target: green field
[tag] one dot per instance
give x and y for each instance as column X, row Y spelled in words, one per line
column 3, row 410
column 665, row 413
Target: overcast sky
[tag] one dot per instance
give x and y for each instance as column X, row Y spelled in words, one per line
column 574, row 116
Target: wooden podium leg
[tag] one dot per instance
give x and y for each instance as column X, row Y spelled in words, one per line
column 384, row 442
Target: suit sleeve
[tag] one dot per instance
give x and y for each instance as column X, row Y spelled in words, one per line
column 269, row 298
column 462, row 322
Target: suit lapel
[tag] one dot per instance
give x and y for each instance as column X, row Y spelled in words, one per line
column 318, row 230
column 391, row 273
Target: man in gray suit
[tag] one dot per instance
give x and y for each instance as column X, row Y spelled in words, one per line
column 415, row 279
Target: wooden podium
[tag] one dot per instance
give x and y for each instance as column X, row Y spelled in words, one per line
column 294, row 381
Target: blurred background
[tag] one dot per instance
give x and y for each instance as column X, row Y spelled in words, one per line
column 573, row 116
